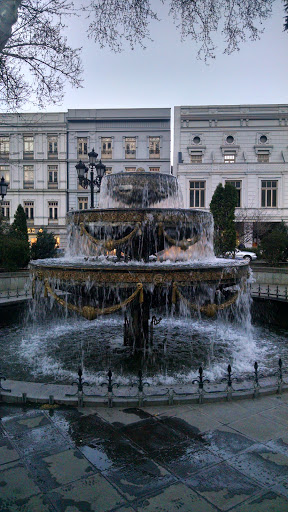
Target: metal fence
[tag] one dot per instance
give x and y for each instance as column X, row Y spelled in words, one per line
column 15, row 293
column 140, row 392
column 273, row 292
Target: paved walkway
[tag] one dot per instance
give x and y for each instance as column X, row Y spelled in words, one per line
column 195, row 458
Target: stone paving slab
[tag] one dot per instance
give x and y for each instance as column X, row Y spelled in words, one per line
column 41, row 439
column 152, row 436
column 223, row 486
column 257, row 428
column 278, row 414
column 93, row 494
column 192, row 458
column 176, row 497
column 266, row 502
column 226, row 443
column 192, row 415
column 17, row 486
column 7, row 452
column 184, row 461
column 263, row 464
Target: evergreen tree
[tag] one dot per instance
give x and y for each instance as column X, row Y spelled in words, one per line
column 19, row 226
column 14, row 244
column 222, row 206
column 44, row 246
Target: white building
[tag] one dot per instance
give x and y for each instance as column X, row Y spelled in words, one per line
column 33, row 161
column 125, row 140
column 246, row 145
column 38, row 154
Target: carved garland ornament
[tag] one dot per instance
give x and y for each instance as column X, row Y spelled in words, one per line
column 183, row 244
column 90, row 312
column 209, row 310
column 109, row 244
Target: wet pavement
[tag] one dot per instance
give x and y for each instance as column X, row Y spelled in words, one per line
column 193, row 458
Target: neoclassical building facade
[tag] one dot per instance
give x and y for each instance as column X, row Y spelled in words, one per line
column 33, row 161
column 124, row 139
column 246, row 145
column 38, row 154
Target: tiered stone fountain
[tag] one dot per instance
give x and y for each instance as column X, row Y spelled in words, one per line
column 138, row 252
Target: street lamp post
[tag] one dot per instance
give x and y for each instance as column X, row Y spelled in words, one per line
column 82, row 172
column 3, row 188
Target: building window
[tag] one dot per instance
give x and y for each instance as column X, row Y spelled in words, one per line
column 197, row 194
column 5, row 172
column 29, row 210
column 52, row 146
column 238, row 186
column 108, row 170
column 106, row 148
column 52, row 176
column 5, row 208
column 269, row 194
column 154, row 169
column 4, row 147
column 130, row 169
column 230, row 139
column 130, row 147
column 28, row 179
column 230, row 158
column 82, row 147
column 83, row 203
column 53, row 210
column 196, row 158
column 28, row 146
column 263, row 139
column 196, row 139
column 154, row 147
column 262, row 157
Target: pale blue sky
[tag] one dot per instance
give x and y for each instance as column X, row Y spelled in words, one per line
column 167, row 73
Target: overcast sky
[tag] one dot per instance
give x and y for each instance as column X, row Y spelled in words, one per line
column 168, row 73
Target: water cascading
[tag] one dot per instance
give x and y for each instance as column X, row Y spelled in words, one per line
column 142, row 254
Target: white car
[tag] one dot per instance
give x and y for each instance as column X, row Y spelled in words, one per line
column 239, row 255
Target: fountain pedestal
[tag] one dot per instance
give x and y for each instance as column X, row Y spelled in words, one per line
column 139, row 251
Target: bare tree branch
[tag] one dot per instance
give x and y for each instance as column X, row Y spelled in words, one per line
column 8, row 16
column 116, row 21
column 36, row 60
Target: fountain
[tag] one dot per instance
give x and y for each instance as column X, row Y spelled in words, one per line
column 142, row 254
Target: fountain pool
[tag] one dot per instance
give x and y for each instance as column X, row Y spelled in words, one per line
column 53, row 349
column 139, row 287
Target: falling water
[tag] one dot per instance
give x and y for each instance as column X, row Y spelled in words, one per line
column 161, row 239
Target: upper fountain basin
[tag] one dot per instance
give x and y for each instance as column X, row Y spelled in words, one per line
column 140, row 190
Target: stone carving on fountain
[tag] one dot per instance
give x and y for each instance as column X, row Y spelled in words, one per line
column 139, row 250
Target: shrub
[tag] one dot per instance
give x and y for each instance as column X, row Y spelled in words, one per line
column 14, row 253
column 274, row 246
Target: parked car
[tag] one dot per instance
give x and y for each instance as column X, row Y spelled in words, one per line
column 239, row 255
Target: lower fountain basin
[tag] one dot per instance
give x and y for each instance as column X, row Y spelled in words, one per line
column 222, row 272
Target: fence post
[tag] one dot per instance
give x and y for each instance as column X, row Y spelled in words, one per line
column 256, row 381
column 280, row 377
column 200, row 381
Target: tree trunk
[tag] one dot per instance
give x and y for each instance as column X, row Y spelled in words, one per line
column 8, row 16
